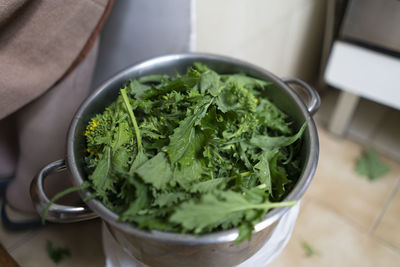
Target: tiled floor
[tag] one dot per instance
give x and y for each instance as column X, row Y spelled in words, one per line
column 83, row 240
column 372, row 123
column 348, row 220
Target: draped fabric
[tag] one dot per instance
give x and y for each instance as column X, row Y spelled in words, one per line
column 40, row 42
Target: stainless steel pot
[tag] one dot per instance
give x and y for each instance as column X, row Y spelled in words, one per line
column 156, row 248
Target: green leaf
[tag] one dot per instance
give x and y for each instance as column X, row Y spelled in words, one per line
column 272, row 116
column 156, row 78
column 184, row 134
column 167, row 199
column 100, row 177
column 123, row 135
column 138, row 89
column 310, row 251
column 263, row 171
column 57, row 254
column 139, row 160
column 200, row 67
column 245, row 81
column 266, row 142
column 141, row 200
column 191, row 79
column 181, row 139
column 256, row 194
column 187, row 174
column 245, row 231
column 209, row 83
column 213, row 209
column 279, row 178
column 209, row 211
column 370, row 166
column 209, row 185
column 153, row 222
column 156, row 171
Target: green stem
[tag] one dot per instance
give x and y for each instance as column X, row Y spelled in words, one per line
column 60, row 195
column 130, row 111
column 243, row 174
column 266, row 206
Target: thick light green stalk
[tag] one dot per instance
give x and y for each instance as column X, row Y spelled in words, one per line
column 265, row 206
column 133, row 118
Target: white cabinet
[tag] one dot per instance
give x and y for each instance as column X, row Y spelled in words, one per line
column 360, row 72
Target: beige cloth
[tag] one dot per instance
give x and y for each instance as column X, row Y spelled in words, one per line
column 39, row 41
column 41, row 131
column 8, row 9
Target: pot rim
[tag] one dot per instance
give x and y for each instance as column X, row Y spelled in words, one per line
column 191, row 239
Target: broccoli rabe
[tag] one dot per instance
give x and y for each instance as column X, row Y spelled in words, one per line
column 193, row 153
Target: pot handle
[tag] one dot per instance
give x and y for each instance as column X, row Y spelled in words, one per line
column 56, row 212
column 313, row 101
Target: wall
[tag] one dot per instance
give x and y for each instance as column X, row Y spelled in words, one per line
column 141, row 29
column 282, row 36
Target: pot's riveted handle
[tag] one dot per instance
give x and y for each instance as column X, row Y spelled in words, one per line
column 56, row 212
column 314, row 101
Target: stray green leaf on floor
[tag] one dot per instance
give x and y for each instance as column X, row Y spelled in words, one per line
column 57, row 254
column 370, row 166
column 310, row 251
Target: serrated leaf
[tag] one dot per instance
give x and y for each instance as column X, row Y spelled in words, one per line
column 272, row 116
column 183, row 135
column 181, row 139
column 140, row 202
column 210, row 210
column 138, row 89
column 187, row 174
column 267, row 142
column 156, row 171
column 245, row 81
column 370, row 166
column 101, row 175
column 122, row 135
column 139, row 160
column 167, row 199
column 214, row 208
column 209, row 185
column 209, row 83
column 263, row 172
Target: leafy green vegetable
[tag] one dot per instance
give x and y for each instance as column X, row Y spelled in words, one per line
column 151, row 169
column 194, row 153
column 268, row 143
column 57, row 254
column 263, row 172
column 370, row 166
column 214, row 208
column 184, row 134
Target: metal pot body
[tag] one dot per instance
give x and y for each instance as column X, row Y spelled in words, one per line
column 156, row 248
column 156, row 253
